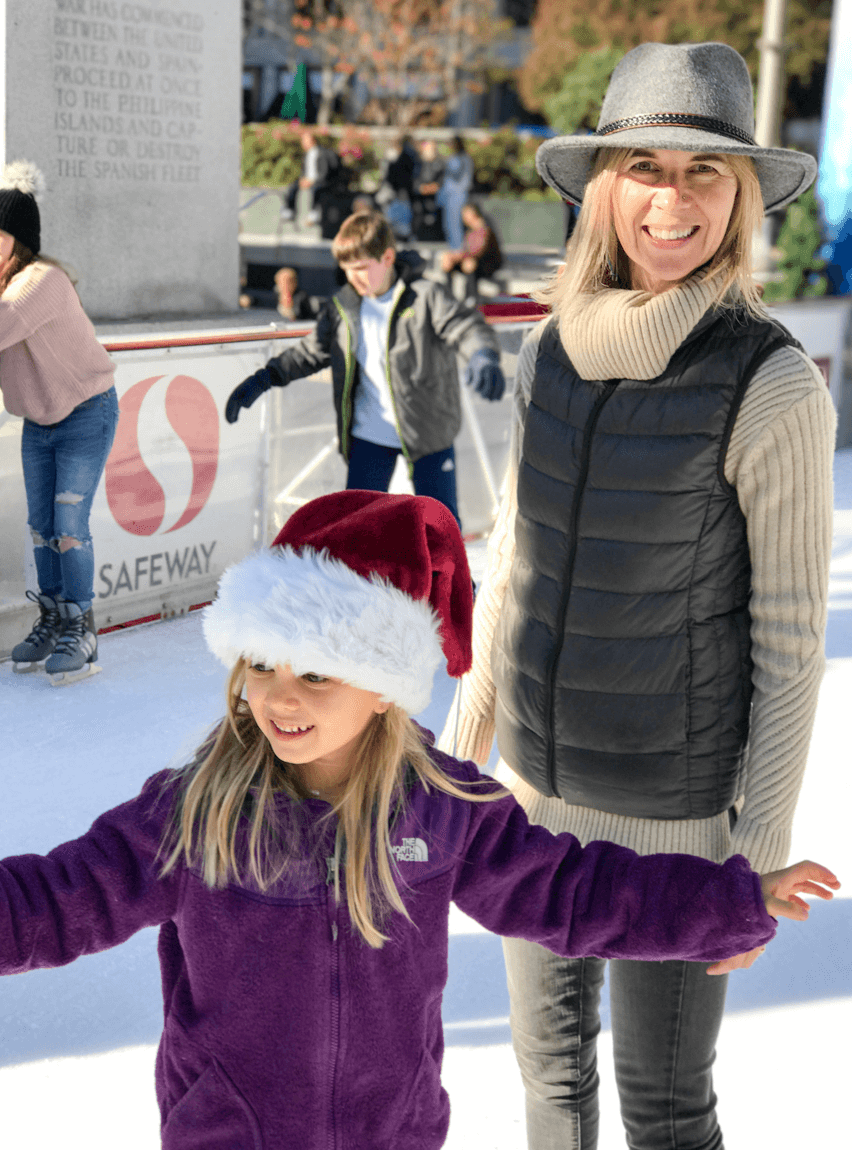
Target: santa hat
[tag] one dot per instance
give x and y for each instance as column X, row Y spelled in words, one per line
column 359, row 585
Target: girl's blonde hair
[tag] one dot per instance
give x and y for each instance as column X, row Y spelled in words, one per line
column 594, row 259
column 236, row 774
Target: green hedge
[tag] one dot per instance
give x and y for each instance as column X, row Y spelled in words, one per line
column 504, row 162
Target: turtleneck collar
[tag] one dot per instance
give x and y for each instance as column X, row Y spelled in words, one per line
column 622, row 334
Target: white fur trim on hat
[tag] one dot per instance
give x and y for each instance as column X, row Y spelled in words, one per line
column 316, row 614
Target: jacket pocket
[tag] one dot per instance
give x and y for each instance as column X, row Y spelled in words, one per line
column 424, row 1116
column 211, row 1113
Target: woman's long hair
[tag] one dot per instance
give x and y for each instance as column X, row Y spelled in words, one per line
column 236, row 774
column 22, row 257
column 594, row 259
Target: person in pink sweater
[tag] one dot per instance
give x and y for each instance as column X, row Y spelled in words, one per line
column 55, row 375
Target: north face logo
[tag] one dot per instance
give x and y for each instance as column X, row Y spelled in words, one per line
column 411, row 850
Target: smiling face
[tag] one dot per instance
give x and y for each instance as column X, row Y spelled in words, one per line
column 671, row 211
column 311, row 721
column 371, row 277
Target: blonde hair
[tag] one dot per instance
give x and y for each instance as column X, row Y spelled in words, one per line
column 594, row 258
column 235, row 773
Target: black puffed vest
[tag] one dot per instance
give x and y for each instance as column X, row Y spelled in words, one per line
column 622, row 654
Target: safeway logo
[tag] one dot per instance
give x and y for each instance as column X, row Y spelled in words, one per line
column 136, row 498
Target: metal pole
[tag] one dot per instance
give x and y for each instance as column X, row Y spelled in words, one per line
column 770, row 81
column 480, row 448
column 770, row 101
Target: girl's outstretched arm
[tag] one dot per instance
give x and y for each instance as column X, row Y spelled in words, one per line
column 92, row 893
column 782, row 890
column 602, row 899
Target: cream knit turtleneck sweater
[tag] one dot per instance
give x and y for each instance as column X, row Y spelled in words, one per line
column 779, row 461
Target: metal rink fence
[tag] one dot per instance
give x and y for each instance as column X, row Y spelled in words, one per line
column 185, row 494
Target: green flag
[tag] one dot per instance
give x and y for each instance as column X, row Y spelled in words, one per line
column 296, row 101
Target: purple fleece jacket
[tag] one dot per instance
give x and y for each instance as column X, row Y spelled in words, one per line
column 282, row 1027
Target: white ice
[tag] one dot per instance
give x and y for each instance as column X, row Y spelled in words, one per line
column 77, row 1046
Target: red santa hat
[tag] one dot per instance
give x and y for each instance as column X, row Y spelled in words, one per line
column 359, row 585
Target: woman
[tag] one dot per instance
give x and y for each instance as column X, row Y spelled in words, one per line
column 55, row 374
column 453, row 192
column 649, row 636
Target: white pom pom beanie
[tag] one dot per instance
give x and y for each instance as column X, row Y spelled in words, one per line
column 20, row 183
column 366, row 587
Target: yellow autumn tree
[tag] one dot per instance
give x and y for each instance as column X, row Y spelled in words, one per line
column 576, row 45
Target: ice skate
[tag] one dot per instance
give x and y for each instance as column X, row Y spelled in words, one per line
column 30, row 655
column 77, row 648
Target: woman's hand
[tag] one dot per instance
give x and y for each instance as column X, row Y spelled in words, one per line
column 781, row 894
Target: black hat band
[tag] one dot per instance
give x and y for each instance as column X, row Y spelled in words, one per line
column 678, row 120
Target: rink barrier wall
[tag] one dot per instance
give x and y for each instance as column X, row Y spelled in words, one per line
column 185, row 494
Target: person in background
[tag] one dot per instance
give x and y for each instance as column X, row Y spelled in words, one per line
column 428, row 177
column 455, row 188
column 293, row 302
column 362, row 202
column 480, row 255
column 396, row 192
column 649, row 637
column 320, row 173
column 55, row 375
column 391, row 338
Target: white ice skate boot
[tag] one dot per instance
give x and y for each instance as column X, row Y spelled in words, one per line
column 77, row 648
column 31, row 653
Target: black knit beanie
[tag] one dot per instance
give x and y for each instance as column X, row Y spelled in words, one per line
column 20, row 182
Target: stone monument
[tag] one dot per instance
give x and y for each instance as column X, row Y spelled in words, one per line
column 132, row 111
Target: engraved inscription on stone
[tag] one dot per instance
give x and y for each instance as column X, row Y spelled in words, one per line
column 128, row 92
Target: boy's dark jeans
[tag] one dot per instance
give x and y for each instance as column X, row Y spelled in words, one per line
column 371, row 467
column 665, row 1022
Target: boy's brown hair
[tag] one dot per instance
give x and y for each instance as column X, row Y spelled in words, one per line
column 363, row 236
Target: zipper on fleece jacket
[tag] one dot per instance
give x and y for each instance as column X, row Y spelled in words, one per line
column 346, row 399
column 568, row 579
column 332, row 910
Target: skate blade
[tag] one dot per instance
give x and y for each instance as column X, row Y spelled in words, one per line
column 66, row 678
column 28, row 668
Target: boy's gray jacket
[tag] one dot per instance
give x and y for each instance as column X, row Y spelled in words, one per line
column 427, row 328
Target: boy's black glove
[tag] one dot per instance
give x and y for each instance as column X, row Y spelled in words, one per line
column 253, row 388
column 484, row 374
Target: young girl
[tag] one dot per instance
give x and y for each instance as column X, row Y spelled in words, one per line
column 301, row 868
column 55, row 374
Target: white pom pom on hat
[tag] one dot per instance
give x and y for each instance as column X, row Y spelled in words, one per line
column 23, row 176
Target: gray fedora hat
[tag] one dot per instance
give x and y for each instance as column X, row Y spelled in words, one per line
column 681, row 97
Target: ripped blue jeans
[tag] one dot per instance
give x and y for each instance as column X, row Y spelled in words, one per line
column 63, row 464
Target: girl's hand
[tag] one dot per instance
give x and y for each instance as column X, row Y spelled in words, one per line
column 781, row 891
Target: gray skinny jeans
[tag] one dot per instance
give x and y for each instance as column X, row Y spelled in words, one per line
column 665, row 1022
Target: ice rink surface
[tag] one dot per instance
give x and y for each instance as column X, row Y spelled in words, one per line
column 78, row 1044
